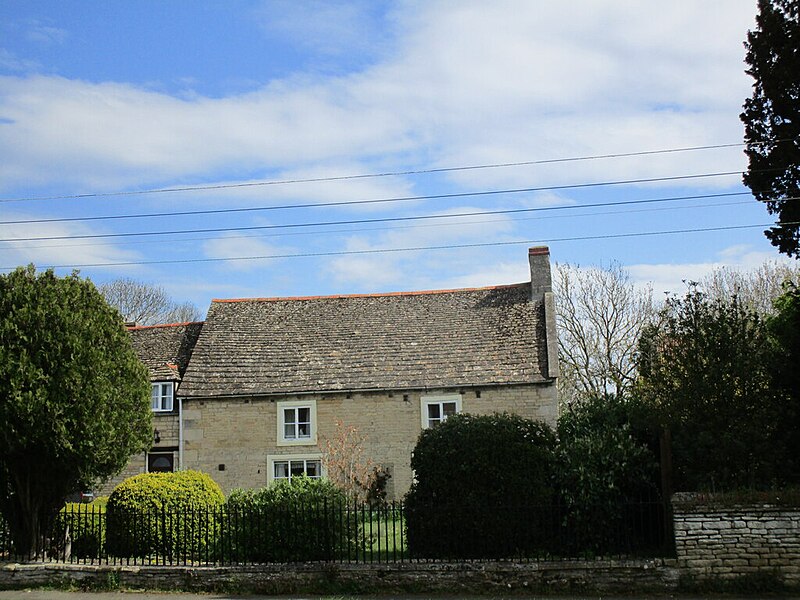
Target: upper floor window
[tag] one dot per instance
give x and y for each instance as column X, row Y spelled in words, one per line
column 297, row 423
column 161, row 396
column 436, row 409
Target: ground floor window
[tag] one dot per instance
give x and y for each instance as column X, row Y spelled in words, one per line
column 160, row 462
column 287, row 467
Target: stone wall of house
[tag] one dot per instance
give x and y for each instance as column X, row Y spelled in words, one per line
column 732, row 542
column 168, row 427
column 235, row 440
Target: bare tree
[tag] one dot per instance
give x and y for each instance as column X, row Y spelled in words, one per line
column 755, row 288
column 600, row 315
column 346, row 462
column 146, row 304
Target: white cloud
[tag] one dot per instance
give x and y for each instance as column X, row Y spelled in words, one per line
column 42, row 33
column 307, row 187
column 108, row 135
column 56, row 252
column 233, row 246
column 327, row 27
column 529, row 80
column 406, row 270
column 368, row 273
column 9, row 61
column 466, row 83
column 502, row 273
column 673, row 278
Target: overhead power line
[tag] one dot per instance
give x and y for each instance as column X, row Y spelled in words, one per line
column 367, row 221
column 409, row 249
column 221, row 186
column 320, row 232
column 371, row 201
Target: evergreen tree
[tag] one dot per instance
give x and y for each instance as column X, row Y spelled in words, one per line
column 74, row 397
column 772, row 118
column 784, row 327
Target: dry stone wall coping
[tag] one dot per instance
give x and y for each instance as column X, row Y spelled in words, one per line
column 619, row 576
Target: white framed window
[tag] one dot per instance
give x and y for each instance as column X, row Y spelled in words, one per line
column 297, row 423
column 295, row 465
column 161, row 396
column 436, row 409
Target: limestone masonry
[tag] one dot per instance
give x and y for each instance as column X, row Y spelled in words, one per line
column 728, row 543
column 251, row 394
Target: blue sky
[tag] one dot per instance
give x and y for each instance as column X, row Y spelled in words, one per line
column 102, row 100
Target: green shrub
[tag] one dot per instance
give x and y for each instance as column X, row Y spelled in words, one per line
column 298, row 520
column 86, row 525
column 707, row 370
column 170, row 514
column 482, row 488
column 606, row 477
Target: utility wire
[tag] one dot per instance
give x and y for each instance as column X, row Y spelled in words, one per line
column 374, row 201
column 410, row 249
column 371, row 175
column 364, row 221
column 372, row 229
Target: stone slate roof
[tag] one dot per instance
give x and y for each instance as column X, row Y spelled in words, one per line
column 397, row 341
column 165, row 349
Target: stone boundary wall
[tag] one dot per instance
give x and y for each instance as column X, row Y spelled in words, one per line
column 715, row 542
column 619, row 576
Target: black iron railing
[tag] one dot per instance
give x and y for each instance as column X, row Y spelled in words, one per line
column 348, row 533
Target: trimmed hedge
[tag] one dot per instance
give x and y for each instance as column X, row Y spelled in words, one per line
column 86, row 525
column 300, row 519
column 173, row 514
column 483, row 484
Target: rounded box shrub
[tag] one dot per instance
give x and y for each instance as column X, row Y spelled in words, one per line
column 173, row 515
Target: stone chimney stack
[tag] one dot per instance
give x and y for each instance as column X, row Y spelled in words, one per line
column 539, row 259
column 542, row 291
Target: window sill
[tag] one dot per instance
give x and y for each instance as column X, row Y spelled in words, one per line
column 301, row 442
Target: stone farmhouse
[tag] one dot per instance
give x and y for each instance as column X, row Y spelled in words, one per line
column 250, row 394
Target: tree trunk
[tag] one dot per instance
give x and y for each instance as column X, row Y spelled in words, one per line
column 25, row 520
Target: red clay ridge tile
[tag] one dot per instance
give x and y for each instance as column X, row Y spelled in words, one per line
column 163, row 325
column 378, row 295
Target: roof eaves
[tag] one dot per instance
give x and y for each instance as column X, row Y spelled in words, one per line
column 400, row 389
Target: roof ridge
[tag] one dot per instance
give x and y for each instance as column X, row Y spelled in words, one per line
column 375, row 295
column 137, row 327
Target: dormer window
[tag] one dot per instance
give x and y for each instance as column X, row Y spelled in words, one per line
column 161, row 396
